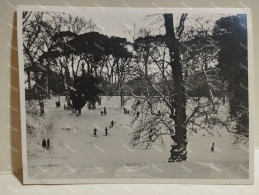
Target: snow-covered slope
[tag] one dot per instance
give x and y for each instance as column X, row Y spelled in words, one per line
column 76, row 153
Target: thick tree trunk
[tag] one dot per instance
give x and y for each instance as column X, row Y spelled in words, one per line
column 178, row 151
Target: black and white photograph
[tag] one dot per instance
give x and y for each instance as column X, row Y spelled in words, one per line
column 137, row 95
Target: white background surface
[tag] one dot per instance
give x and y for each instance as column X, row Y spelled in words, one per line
column 9, row 184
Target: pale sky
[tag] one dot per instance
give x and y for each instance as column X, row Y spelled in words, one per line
column 114, row 21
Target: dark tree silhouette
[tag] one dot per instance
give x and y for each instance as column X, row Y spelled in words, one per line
column 164, row 90
column 231, row 36
column 87, row 86
column 178, row 151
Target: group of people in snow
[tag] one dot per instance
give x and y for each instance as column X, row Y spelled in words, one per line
column 45, row 144
column 105, row 130
column 125, row 110
column 57, row 104
column 104, row 111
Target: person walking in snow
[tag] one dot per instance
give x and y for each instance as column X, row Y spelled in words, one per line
column 104, row 111
column 44, row 143
column 48, row 143
column 212, row 147
column 137, row 114
column 95, row 130
column 99, row 101
column 112, row 123
column 106, row 131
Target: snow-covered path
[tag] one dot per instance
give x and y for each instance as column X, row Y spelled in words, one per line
column 76, row 153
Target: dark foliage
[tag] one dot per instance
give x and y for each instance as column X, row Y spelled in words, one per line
column 231, row 36
column 87, row 88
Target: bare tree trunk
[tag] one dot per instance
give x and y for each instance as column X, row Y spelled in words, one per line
column 29, row 80
column 146, row 63
column 121, row 94
column 47, row 78
column 178, row 151
column 67, row 85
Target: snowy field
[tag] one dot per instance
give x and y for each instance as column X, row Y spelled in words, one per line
column 75, row 153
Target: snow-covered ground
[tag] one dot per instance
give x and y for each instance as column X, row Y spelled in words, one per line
column 76, row 153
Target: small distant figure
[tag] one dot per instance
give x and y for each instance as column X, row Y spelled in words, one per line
column 138, row 103
column 206, row 116
column 78, row 112
column 48, row 143
column 95, row 130
column 57, row 104
column 42, row 112
column 101, row 113
column 159, row 112
column 65, row 107
column 112, row 123
column 99, row 102
column 137, row 114
column 106, row 131
column 212, row 147
column 44, row 143
column 126, row 111
column 104, row 111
